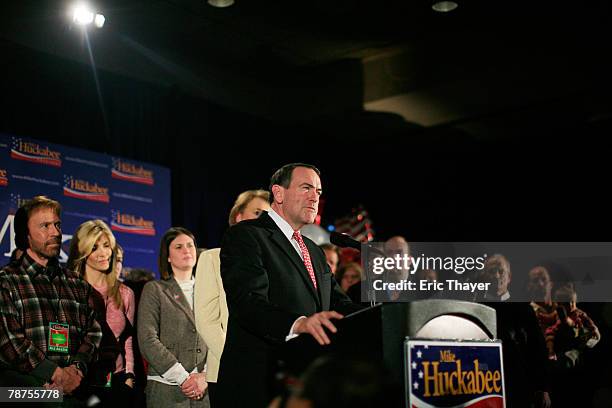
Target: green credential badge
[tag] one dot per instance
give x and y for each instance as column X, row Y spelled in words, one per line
column 58, row 337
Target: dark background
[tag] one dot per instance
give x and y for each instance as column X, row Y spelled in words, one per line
column 543, row 176
column 487, row 124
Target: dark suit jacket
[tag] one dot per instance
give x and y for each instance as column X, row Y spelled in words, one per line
column 267, row 288
column 524, row 352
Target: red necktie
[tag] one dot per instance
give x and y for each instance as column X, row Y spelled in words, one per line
column 306, row 256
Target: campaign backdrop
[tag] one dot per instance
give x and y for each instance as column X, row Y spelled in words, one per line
column 132, row 197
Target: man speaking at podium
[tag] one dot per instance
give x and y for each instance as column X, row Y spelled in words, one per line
column 278, row 286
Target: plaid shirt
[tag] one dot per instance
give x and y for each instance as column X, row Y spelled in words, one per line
column 582, row 330
column 32, row 296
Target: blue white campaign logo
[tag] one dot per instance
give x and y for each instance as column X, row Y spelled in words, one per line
column 85, row 190
column 454, row 374
column 136, row 173
column 17, row 201
column 34, row 153
column 131, row 224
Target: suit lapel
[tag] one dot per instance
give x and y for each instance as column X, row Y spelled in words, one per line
column 176, row 296
column 312, row 249
column 283, row 243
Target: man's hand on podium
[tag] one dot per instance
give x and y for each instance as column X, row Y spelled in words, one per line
column 314, row 324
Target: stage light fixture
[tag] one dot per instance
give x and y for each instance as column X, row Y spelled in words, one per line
column 220, row 3
column 82, row 15
column 444, row 6
column 99, row 20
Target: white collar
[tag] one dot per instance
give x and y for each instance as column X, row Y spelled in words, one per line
column 186, row 284
column 501, row 298
column 282, row 224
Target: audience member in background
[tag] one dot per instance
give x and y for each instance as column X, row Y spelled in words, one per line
column 332, row 255
column 349, row 275
column 395, row 246
column 37, row 294
column 249, row 205
column 526, row 374
column 135, row 279
column 426, row 275
column 16, row 255
column 167, row 331
column 91, row 256
column 209, row 297
column 573, row 332
column 341, row 382
column 138, row 275
column 539, row 288
column 119, row 262
column 429, row 275
column 497, row 272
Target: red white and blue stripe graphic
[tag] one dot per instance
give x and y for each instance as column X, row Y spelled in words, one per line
column 116, row 174
column 99, row 197
column 132, row 229
column 33, row 158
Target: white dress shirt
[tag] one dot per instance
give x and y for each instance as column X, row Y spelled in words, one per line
column 287, row 231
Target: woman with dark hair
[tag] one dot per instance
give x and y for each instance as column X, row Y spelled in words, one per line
column 92, row 255
column 166, row 328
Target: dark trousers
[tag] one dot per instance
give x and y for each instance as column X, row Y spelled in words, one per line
column 212, row 387
column 237, row 388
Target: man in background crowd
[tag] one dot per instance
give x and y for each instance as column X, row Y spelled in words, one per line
column 526, row 375
column 48, row 334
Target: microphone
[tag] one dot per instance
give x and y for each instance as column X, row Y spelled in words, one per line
column 344, row 241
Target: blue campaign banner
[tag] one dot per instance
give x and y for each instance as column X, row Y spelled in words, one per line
column 132, row 197
column 454, row 374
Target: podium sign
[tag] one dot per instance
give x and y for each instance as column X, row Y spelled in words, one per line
column 442, row 373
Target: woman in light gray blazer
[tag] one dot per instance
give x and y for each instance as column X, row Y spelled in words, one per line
column 167, row 332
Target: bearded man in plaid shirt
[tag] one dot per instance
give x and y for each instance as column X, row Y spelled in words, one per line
column 48, row 333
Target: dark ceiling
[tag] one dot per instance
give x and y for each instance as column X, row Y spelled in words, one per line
column 296, row 60
column 395, row 94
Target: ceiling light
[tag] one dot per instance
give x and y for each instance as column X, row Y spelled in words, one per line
column 220, row 3
column 99, row 20
column 444, row 6
column 82, row 15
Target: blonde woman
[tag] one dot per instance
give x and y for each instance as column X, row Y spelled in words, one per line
column 92, row 256
column 249, row 205
column 210, row 303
